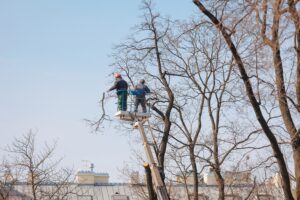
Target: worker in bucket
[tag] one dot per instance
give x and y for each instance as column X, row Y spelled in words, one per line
column 140, row 95
column 121, row 86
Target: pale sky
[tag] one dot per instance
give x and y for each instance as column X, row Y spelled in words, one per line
column 54, row 65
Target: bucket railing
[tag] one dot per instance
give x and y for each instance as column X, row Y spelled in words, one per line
column 126, row 99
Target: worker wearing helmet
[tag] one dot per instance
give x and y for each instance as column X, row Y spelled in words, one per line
column 141, row 91
column 121, row 86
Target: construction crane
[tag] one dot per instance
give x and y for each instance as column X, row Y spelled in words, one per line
column 140, row 121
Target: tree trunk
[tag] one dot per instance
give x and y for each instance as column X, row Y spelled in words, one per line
column 167, row 122
column 296, row 155
column 255, row 105
column 286, row 115
column 281, row 90
column 295, row 15
column 163, row 146
column 296, row 139
column 217, row 170
column 221, row 184
column 152, row 195
column 194, row 171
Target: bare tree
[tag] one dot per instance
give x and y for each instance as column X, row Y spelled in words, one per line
column 205, row 91
column 227, row 22
column 197, row 74
column 141, row 56
column 7, row 180
column 197, row 84
column 38, row 169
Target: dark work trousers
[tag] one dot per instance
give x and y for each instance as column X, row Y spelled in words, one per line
column 122, row 100
column 141, row 101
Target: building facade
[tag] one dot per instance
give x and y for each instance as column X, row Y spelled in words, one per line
column 89, row 185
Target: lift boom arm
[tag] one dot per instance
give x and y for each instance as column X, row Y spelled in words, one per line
column 140, row 119
column 158, row 183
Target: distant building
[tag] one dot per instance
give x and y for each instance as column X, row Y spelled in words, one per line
column 189, row 178
column 209, row 178
column 119, row 197
column 234, row 178
column 12, row 194
column 135, row 178
column 118, row 191
column 91, row 185
column 91, row 178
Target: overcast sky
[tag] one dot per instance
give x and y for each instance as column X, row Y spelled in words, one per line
column 54, row 65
